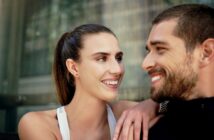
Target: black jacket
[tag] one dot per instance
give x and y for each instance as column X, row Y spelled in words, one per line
column 186, row 120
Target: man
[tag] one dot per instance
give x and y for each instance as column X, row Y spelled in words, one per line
column 180, row 62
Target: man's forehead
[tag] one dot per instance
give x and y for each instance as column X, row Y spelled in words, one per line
column 167, row 26
column 161, row 32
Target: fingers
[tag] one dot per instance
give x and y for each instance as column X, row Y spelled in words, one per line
column 119, row 126
column 133, row 120
column 131, row 133
column 137, row 129
column 153, row 121
column 126, row 125
column 145, row 128
column 147, row 125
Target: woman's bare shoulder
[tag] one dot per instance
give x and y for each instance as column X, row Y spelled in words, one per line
column 38, row 125
column 39, row 117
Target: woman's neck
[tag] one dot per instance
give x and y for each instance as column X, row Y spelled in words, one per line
column 86, row 111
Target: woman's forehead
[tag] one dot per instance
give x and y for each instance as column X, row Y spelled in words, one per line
column 100, row 42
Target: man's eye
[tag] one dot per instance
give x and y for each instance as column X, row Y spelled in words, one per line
column 160, row 49
column 146, row 50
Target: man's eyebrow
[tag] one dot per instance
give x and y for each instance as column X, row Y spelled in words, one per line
column 153, row 43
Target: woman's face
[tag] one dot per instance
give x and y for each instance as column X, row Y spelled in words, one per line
column 100, row 68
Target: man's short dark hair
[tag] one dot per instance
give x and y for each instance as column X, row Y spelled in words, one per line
column 195, row 22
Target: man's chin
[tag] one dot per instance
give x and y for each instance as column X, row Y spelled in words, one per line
column 155, row 96
column 158, row 96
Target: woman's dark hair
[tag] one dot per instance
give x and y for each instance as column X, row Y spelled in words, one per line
column 69, row 46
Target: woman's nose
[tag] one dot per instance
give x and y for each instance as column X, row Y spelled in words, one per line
column 116, row 67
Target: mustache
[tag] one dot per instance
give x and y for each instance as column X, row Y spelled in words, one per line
column 156, row 70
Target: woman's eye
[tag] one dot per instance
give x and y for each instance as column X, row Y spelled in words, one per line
column 101, row 59
column 119, row 58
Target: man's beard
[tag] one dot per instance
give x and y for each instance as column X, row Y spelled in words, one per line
column 178, row 85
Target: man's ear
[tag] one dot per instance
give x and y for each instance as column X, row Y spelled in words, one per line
column 207, row 54
column 72, row 67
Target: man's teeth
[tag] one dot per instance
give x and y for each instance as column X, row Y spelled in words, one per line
column 111, row 82
column 155, row 78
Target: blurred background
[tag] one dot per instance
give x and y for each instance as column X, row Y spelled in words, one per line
column 29, row 30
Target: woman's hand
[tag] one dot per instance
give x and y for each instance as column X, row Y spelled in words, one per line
column 143, row 115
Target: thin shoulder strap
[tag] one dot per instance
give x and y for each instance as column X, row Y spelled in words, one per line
column 111, row 121
column 63, row 123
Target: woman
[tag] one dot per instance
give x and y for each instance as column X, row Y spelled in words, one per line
column 88, row 70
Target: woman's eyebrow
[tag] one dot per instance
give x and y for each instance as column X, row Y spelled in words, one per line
column 100, row 53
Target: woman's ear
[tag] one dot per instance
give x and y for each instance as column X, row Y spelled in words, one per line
column 207, row 54
column 72, row 67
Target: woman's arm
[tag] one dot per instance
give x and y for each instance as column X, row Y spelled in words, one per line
column 32, row 126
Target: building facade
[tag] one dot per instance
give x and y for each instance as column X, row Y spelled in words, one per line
column 30, row 30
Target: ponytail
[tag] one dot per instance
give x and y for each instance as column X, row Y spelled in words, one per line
column 63, row 79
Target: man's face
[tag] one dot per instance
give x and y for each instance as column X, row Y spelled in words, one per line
column 173, row 71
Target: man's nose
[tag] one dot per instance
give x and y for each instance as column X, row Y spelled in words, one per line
column 148, row 62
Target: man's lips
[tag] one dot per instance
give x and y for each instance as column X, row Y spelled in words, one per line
column 155, row 78
column 156, row 74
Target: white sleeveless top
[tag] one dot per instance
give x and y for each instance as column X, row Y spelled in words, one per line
column 64, row 128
